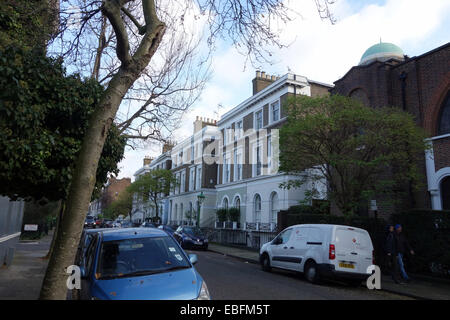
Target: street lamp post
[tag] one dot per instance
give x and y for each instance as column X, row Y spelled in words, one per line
column 201, row 197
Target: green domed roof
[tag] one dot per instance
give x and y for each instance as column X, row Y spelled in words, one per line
column 381, row 51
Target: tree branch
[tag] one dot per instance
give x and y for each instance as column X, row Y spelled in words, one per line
column 111, row 9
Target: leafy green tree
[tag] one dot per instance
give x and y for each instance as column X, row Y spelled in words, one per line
column 149, row 187
column 361, row 151
column 43, row 118
column 121, row 206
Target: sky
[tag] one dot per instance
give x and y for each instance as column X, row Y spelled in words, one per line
column 318, row 50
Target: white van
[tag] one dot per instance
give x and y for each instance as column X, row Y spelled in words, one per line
column 321, row 251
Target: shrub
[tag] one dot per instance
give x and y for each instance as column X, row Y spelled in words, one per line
column 222, row 214
column 234, row 214
column 428, row 233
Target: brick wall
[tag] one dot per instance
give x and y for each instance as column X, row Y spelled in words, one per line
column 441, row 150
column 113, row 191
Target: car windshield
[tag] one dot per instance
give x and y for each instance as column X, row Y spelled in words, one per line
column 134, row 257
column 193, row 231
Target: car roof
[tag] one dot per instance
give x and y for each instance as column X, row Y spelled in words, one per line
column 318, row 225
column 132, row 233
column 95, row 230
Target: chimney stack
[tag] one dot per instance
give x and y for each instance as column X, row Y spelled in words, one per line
column 167, row 146
column 201, row 122
column 147, row 160
column 262, row 81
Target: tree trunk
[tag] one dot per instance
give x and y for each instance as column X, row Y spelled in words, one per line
column 82, row 185
column 57, row 227
column 83, row 181
column 156, row 207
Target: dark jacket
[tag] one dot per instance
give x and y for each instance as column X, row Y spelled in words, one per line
column 401, row 244
column 390, row 243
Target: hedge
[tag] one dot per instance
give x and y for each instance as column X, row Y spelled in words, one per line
column 428, row 233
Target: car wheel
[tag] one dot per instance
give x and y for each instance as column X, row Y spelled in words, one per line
column 265, row 263
column 311, row 272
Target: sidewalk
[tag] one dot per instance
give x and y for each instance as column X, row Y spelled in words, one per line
column 22, row 280
column 419, row 288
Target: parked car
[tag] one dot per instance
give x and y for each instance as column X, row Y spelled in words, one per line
column 125, row 224
column 85, row 240
column 98, row 223
column 139, row 264
column 321, row 251
column 107, row 223
column 191, row 238
column 117, row 224
column 167, row 228
column 89, row 222
column 148, row 225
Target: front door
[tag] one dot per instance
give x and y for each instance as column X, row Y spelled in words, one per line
column 280, row 249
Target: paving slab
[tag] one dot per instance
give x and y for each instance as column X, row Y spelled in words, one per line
column 22, row 280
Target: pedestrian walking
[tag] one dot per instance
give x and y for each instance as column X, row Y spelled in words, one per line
column 391, row 253
column 402, row 248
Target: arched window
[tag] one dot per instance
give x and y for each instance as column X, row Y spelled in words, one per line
column 181, row 212
column 360, row 95
column 225, row 203
column 444, row 117
column 175, row 215
column 237, row 202
column 257, row 208
column 190, row 213
column 273, row 207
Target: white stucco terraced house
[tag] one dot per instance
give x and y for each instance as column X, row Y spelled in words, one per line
column 248, row 177
column 244, row 146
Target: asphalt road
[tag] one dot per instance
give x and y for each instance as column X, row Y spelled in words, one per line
column 232, row 279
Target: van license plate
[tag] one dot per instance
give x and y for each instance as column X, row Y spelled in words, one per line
column 347, row 265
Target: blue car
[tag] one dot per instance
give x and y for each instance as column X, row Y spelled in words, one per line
column 139, row 264
column 191, row 238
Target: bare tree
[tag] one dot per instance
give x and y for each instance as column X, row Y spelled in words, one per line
column 144, row 52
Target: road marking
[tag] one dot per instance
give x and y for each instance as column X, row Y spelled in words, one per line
column 10, row 237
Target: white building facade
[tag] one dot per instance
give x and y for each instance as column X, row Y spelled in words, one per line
column 248, row 178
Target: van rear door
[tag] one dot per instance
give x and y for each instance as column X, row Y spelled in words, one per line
column 353, row 249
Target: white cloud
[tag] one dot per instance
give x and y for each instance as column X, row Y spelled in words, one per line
column 322, row 51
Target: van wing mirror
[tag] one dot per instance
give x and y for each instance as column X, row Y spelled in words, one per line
column 83, row 272
column 193, row 258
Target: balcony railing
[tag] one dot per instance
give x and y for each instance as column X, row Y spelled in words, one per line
column 227, row 225
column 261, row 226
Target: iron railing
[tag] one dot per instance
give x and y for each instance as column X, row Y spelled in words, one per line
column 245, row 238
